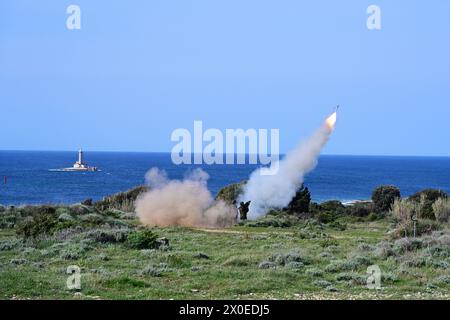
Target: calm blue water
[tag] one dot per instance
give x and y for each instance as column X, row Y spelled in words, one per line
column 336, row 177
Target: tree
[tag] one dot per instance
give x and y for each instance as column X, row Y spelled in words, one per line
column 426, row 199
column 300, row 202
column 384, row 196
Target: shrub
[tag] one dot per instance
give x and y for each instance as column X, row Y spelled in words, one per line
column 32, row 211
column 43, row 223
column 155, row 270
column 326, row 217
column 404, row 210
column 445, row 279
column 406, row 244
column 372, row 217
column 328, row 243
column 294, row 265
column 18, row 261
column 341, row 265
column 338, row 225
column 333, row 205
column 284, row 258
column 142, row 239
column 441, row 209
column 74, row 251
column 9, row 244
column 300, row 202
column 79, row 209
column 123, row 201
column 314, row 272
column 274, row 219
column 267, row 265
column 230, row 193
column 65, row 217
column 383, row 197
column 321, row 283
column 92, row 219
column 359, row 209
column 361, row 261
column 8, row 219
column 350, row 276
column 383, row 250
column 426, row 198
column 107, row 235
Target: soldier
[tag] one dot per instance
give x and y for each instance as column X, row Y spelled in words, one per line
column 243, row 210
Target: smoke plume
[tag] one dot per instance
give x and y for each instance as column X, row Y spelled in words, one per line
column 276, row 191
column 184, row 203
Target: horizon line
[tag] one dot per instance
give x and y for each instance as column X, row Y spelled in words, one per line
column 281, row 154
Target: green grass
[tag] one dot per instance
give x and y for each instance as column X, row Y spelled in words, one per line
column 115, row 271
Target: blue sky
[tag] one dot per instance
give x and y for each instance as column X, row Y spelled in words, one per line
column 137, row 70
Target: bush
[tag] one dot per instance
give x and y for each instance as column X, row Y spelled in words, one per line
column 333, row 205
column 142, row 239
column 383, row 197
column 404, row 210
column 426, row 198
column 314, row 272
column 372, row 217
column 321, row 283
column 445, row 279
column 326, row 217
column 441, row 209
column 274, row 219
column 108, row 235
column 9, row 244
column 230, row 193
column 79, row 209
column 300, row 202
column 155, row 270
column 359, row 209
column 123, row 201
column 267, row 265
column 383, row 250
column 342, row 265
column 283, row 259
column 43, row 223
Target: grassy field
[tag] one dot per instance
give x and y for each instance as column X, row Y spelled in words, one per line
column 306, row 260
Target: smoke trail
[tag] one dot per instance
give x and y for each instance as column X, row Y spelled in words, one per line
column 277, row 191
column 184, row 203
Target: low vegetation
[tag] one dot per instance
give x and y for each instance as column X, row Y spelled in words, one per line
column 312, row 251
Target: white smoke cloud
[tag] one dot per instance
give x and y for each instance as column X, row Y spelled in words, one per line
column 276, row 191
column 185, row 203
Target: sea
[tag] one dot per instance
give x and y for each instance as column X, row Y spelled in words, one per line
column 28, row 177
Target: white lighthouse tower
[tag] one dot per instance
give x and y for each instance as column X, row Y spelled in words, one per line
column 80, row 165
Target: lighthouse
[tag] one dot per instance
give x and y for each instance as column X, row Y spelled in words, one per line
column 80, row 157
column 80, row 165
